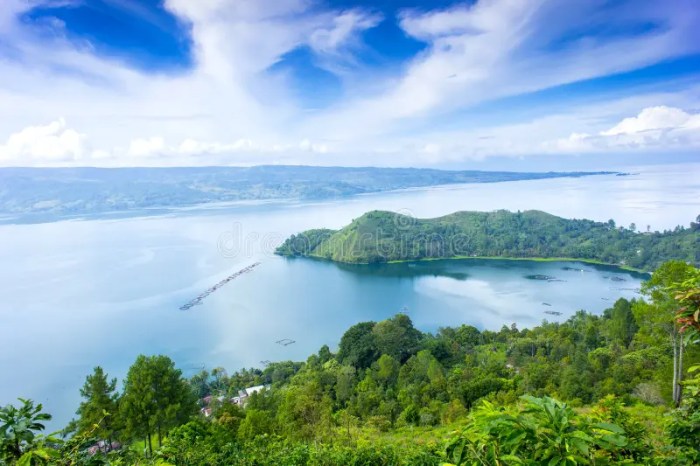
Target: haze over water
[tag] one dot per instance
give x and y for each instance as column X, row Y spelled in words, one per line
column 81, row 293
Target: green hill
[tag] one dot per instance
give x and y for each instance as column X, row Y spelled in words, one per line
column 380, row 236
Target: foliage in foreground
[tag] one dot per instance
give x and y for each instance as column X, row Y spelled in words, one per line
column 544, row 431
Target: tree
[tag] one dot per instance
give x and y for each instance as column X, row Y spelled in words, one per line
column 305, row 412
column 387, row 370
column 219, row 380
column 684, row 430
column 99, row 412
column 688, row 297
column 324, row 354
column 257, row 422
column 19, row 428
column 192, row 444
column 468, row 336
column 695, row 226
column 622, row 326
column 345, row 383
column 357, row 347
column 229, row 416
column 397, row 337
column 200, row 383
column 660, row 314
column 156, row 398
column 368, row 396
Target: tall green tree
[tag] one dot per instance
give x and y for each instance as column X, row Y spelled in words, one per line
column 156, row 398
column 357, row 346
column 200, row 383
column 305, row 412
column 688, row 297
column 99, row 412
column 622, row 326
column 387, row 370
column 684, row 430
column 397, row 337
column 660, row 314
column 257, row 422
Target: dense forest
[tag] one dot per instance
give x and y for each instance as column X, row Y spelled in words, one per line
column 618, row 388
column 380, row 236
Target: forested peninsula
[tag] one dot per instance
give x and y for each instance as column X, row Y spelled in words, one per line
column 381, row 236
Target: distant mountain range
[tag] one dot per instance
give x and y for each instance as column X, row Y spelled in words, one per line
column 47, row 193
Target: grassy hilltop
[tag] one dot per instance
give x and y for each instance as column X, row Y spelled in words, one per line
column 381, row 236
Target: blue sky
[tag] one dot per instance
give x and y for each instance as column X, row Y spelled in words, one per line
column 342, row 82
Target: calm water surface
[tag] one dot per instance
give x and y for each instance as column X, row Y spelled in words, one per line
column 80, row 293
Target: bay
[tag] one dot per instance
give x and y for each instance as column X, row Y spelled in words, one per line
column 76, row 294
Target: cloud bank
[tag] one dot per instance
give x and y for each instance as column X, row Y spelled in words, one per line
column 454, row 100
column 658, row 127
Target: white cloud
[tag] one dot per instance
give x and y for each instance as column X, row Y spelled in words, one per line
column 237, row 38
column 241, row 151
column 654, row 128
column 571, row 130
column 343, row 30
column 485, row 17
column 230, row 109
column 654, row 118
column 309, row 146
column 147, row 147
column 497, row 48
column 54, row 142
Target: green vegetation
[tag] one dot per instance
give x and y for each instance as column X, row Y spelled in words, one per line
column 385, row 237
column 543, row 431
column 156, row 398
column 18, row 433
column 101, row 398
column 605, row 389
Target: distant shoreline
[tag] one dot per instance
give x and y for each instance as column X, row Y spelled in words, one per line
column 43, row 195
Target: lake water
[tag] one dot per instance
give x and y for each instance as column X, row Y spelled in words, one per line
column 80, row 293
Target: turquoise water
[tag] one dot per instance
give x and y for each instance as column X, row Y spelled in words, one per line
column 81, row 293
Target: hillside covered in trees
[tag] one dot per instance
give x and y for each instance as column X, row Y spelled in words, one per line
column 619, row 388
column 380, row 236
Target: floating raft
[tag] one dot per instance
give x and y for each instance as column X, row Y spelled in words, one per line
column 544, row 278
column 198, row 300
